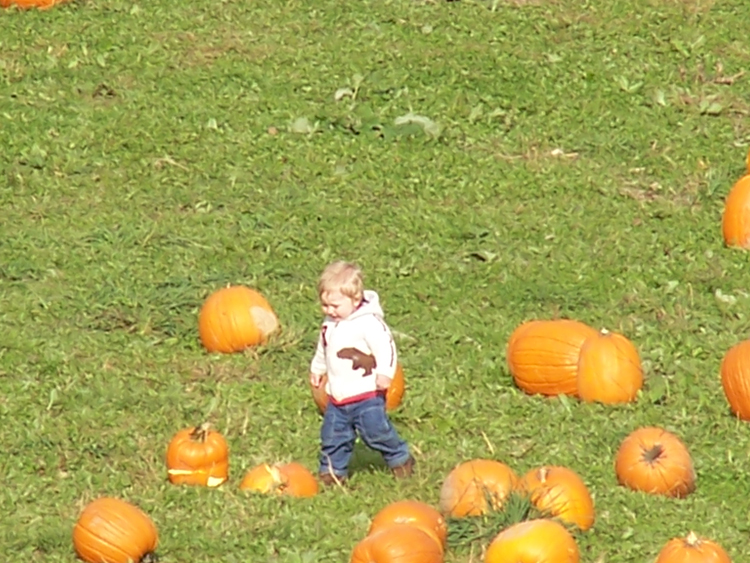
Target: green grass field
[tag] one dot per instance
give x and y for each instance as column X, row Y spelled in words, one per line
column 486, row 162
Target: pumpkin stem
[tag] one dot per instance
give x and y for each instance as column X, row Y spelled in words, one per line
column 149, row 558
column 200, row 433
column 654, row 453
column 692, row 539
column 543, row 473
column 603, row 332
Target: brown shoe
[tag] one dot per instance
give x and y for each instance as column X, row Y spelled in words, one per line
column 405, row 470
column 329, row 479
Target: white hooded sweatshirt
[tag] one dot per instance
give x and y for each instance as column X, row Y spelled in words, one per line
column 353, row 350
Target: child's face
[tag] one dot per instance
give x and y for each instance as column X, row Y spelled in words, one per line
column 337, row 305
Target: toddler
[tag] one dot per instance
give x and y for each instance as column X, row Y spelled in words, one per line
column 356, row 350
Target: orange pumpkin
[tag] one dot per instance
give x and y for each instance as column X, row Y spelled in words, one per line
column 398, row 543
column 471, row 484
column 414, row 513
column 110, row 530
column 292, row 479
column 692, row 549
column 747, row 162
column 198, row 456
column 393, row 394
column 27, row 4
column 609, row 369
column 735, row 222
column 735, row 379
column 560, row 492
column 655, row 461
column 543, row 355
column 533, row 541
column 235, row 318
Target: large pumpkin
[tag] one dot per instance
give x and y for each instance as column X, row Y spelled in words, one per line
column 292, row 479
column 655, row 461
column 235, row 318
column 692, row 549
column 198, row 456
column 475, row 487
column 27, row 4
column 735, row 378
column 560, row 492
column 533, row 541
column 110, row 530
column 543, row 355
column 609, row 369
column 735, row 222
column 398, row 543
column 393, row 394
column 414, row 513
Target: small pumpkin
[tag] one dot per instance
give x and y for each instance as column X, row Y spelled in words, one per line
column 235, row 318
column 533, row 541
column 692, row 549
column 397, row 543
column 543, row 355
column 198, row 456
column 292, row 479
column 475, row 487
column 609, row 369
column 735, row 378
column 735, row 221
column 393, row 395
column 655, row 461
column 110, row 530
column 413, row 513
column 560, row 492
column 28, row 4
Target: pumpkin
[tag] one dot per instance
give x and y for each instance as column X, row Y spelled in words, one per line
column 655, row 461
column 543, row 355
column 198, row 456
column 393, row 394
column 747, row 162
column 110, row 530
column 27, row 4
column 560, row 492
column 398, row 543
column 414, row 513
column 235, row 318
column 735, row 379
column 609, row 369
column 292, row 479
column 533, row 541
column 475, row 487
column 735, row 222
column 692, row 549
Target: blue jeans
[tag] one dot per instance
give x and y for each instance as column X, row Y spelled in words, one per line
column 368, row 418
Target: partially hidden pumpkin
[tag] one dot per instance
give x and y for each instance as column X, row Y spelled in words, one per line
column 692, row 549
column 397, row 543
column 542, row 355
column 560, row 492
column 655, row 461
column 393, row 395
column 735, row 378
column 28, row 4
column 735, row 221
column 476, row 487
column 198, row 456
column 110, row 530
column 235, row 318
column 413, row 513
column 291, row 479
column 609, row 369
column 533, row 541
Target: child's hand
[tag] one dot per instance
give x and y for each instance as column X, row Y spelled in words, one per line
column 315, row 379
column 382, row 382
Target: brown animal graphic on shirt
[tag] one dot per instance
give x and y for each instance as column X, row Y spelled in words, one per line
column 359, row 359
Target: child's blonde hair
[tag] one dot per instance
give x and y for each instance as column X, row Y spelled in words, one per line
column 344, row 277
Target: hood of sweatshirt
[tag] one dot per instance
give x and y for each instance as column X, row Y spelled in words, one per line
column 370, row 306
